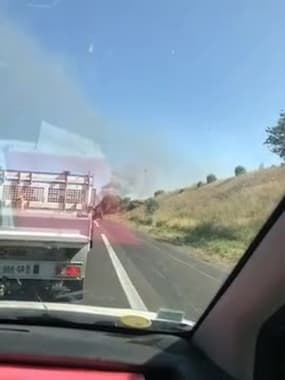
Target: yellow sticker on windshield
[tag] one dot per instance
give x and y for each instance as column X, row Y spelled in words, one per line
column 136, row 321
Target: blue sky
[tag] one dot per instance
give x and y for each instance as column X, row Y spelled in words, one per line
column 181, row 88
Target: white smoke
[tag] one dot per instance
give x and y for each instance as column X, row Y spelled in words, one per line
column 36, row 85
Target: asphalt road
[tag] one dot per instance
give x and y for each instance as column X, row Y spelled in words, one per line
column 128, row 269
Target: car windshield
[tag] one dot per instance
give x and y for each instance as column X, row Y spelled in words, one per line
column 141, row 148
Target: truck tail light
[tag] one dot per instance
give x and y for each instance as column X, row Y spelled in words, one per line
column 71, row 271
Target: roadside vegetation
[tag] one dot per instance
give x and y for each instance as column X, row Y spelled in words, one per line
column 218, row 219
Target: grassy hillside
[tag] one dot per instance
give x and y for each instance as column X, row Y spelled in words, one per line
column 219, row 219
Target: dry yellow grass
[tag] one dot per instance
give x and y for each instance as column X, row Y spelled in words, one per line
column 220, row 218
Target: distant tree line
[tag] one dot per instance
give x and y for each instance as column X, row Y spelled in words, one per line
column 239, row 170
column 275, row 141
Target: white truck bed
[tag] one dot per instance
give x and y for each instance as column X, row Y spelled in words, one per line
column 36, row 245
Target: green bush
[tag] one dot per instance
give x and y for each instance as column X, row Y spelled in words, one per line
column 161, row 223
column 199, row 184
column 134, row 218
column 134, row 204
column 148, row 221
column 151, row 205
column 239, row 170
column 211, row 178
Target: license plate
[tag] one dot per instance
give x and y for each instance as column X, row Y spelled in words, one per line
column 27, row 269
column 19, row 269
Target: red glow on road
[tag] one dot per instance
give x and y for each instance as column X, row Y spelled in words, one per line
column 120, row 233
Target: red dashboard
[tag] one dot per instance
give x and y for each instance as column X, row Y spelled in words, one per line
column 9, row 372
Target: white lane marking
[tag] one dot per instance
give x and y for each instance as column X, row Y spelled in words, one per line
column 194, row 268
column 96, row 223
column 132, row 295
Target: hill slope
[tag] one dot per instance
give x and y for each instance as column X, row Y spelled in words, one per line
column 219, row 219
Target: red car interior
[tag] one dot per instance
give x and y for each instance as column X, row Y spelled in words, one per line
column 8, row 372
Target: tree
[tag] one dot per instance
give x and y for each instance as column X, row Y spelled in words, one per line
column 159, row 192
column 239, row 170
column 211, row 178
column 276, row 137
column 151, row 205
column 199, row 184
